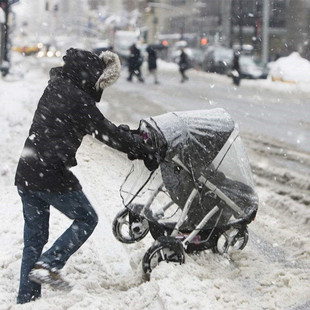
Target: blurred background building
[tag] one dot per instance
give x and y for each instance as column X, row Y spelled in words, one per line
column 199, row 23
column 228, row 22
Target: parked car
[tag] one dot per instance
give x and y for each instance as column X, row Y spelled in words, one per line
column 27, row 50
column 99, row 50
column 48, row 50
column 252, row 68
column 218, row 59
column 197, row 57
column 123, row 40
column 175, row 55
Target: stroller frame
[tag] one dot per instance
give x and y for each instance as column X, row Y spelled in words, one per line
column 173, row 239
column 212, row 188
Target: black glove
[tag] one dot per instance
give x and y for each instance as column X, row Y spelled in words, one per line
column 145, row 152
column 134, row 153
column 138, row 150
column 151, row 163
column 124, row 127
column 127, row 128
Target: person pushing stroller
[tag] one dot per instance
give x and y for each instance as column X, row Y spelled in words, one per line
column 66, row 112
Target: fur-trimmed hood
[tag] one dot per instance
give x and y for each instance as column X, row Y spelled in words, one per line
column 112, row 70
column 91, row 72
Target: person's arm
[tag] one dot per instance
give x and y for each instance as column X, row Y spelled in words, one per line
column 120, row 138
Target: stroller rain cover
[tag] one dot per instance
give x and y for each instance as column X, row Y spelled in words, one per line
column 200, row 146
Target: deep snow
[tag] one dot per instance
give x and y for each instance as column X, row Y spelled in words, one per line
column 272, row 272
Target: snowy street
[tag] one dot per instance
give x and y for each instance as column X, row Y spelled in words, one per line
column 272, row 272
column 281, row 113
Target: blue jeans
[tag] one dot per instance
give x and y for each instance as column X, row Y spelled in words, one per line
column 36, row 209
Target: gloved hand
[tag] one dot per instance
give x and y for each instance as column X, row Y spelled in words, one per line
column 140, row 150
column 143, row 151
column 151, row 163
column 125, row 127
column 133, row 153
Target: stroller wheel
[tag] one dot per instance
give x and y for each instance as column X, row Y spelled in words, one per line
column 166, row 249
column 232, row 239
column 129, row 227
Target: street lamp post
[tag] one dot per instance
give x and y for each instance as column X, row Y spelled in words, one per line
column 5, row 6
column 4, row 35
column 240, row 5
column 265, row 43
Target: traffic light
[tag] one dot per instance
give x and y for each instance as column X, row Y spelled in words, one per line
column 204, row 41
column 165, row 43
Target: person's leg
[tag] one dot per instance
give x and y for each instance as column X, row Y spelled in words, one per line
column 182, row 75
column 76, row 206
column 154, row 73
column 130, row 75
column 36, row 216
column 185, row 76
column 139, row 74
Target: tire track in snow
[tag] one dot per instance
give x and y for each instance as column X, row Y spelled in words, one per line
column 272, row 253
column 304, row 306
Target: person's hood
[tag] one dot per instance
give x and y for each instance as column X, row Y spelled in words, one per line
column 90, row 72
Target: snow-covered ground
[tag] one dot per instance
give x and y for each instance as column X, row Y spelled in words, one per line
column 272, row 272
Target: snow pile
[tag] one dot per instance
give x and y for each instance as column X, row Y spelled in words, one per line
column 291, row 69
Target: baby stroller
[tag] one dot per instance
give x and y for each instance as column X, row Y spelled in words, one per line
column 201, row 196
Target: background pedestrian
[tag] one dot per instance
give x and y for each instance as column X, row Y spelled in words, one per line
column 183, row 65
column 152, row 63
column 135, row 61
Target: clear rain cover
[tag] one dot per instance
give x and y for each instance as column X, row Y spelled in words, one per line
column 161, row 196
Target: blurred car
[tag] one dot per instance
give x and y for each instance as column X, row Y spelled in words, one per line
column 101, row 46
column 175, row 55
column 174, row 51
column 27, row 50
column 99, row 50
column 218, row 59
column 123, row 40
column 48, row 50
column 197, row 57
column 247, row 49
column 252, row 68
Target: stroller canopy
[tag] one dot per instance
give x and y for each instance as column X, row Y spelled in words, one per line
column 195, row 137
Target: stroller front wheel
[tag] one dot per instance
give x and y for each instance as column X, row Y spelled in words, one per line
column 166, row 249
column 129, row 227
column 232, row 239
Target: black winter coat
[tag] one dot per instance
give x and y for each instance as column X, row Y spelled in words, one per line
column 135, row 59
column 152, row 58
column 65, row 114
column 183, row 62
column 235, row 64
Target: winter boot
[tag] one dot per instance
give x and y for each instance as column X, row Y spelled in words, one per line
column 43, row 273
